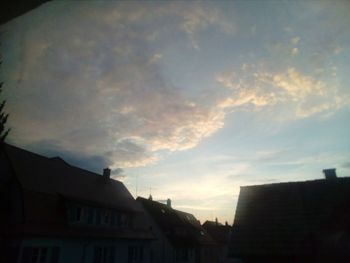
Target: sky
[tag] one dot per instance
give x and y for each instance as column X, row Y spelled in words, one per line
column 183, row 99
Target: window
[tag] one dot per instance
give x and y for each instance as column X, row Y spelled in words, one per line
column 135, row 254
column 116, row 219
column 181, row 254
column 90, row 215
column 79, row 214
column 120, row 219
column 98, row 216
column 106, row 219
column 124, row 220
column 40, row 255
column 55, row 254
column 76, row 213
column 104, row 254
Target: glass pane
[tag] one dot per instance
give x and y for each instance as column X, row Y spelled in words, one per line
column 55, row 254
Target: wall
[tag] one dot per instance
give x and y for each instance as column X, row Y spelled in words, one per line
column 82, row 251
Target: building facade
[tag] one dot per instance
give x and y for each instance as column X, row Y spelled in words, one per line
column 179, row 235
column 53, row 212
column 293, row 222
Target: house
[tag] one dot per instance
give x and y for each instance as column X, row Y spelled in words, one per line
column 180, row 237
column 221, row 234
column 53, row 212
column 293, row 222
column 13, row 9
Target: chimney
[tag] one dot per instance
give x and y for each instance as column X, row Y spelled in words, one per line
column 216, row 221
column 330, row 174
column 168, row 202
column 107, row 173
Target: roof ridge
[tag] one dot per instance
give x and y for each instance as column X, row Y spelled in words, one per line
column 294, row 182
column 57, row 157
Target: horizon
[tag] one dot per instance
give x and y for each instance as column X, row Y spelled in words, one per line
column 183, row 100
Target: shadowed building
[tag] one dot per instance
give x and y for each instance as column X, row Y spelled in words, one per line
column 15, row 8
column 293, row 222
column 54, row 212
column 221, row 234
column 180, row 237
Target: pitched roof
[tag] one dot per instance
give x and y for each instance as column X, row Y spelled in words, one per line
column 54, row 176
column 293, row 218
column 219, row 232
column 179, row 227
column 46, row 183
column 13, row 9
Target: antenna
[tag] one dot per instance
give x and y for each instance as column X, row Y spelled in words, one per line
column 136, row 184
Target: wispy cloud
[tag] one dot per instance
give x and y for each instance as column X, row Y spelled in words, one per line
column 97, row 79
column 305, row 95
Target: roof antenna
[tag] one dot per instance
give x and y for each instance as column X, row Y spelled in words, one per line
column 136, row 183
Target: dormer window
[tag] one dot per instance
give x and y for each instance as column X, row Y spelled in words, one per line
column 75, row 213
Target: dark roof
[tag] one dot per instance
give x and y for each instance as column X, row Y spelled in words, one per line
column 14, row 8
column 179, row 227
column 54, row 176
column 47, row 184
column 296, row 218
column 219, row 232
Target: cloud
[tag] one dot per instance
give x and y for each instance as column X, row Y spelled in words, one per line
column 118, row 174
column 295, row 40
column 155, row 58
column 90, row 162
column 346, row 165
column 93, row 86
column 295, row 51
column 199, row 18
column 303, row 95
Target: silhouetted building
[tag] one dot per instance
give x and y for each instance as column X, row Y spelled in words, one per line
column 14, row 8
column 221, row 234
column 54, row 212
column 293, row 222
column 180, row 237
